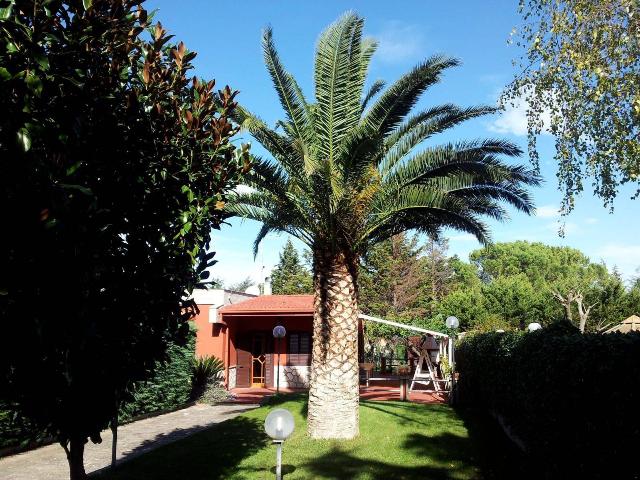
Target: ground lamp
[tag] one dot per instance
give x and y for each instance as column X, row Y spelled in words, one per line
column 532, row 327
column 279, row 426
column 278, row 332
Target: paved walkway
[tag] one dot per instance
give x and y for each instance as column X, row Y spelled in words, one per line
column 50, row 462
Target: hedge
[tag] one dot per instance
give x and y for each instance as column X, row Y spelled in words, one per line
column 169, row 388
column 570, row 399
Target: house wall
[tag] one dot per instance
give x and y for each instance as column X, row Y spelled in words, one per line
column 242, row 326
column 221, row 340
column 210, row 337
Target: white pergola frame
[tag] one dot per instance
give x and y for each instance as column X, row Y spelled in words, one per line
column 448, row 339
column 402, row 325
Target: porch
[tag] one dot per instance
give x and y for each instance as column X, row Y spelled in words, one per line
column 378, row 392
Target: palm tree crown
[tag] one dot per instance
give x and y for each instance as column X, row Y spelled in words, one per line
column 346, row 172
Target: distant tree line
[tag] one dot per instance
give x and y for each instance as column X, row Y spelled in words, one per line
column 503, row 286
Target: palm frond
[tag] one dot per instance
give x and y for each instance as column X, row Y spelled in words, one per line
column 424, row 125
column 332, row 80
column 352, row 167
column 289, row 93
column 427, row 211
column 398, row 100
column 374, row 90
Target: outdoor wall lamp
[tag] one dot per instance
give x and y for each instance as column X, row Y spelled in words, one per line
column 279, row 425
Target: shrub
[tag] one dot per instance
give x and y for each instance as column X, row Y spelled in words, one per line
column 15, row 430
column 571, row 399
column 207, row 370
column 214, row 393
column 170, row 386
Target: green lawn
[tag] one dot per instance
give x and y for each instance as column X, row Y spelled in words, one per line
column 397, row 441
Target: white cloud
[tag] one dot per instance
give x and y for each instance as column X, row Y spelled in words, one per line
column 591, row 220
column 398, row 42
column 463, row 237
column 567, row 227
column 547, row 211
column 626, row 257
column 513, row 120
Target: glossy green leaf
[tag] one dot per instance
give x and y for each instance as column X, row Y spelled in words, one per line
column 24, row 139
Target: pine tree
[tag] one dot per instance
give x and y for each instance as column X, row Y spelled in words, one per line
column 290, row 277
column 393, row 277
column 439, row 272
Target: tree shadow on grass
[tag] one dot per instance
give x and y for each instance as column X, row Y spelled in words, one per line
column 211, row 454
column 395, row 409
column 498, row 456
column 436, row 457
column 301, row 398
column 443, row 457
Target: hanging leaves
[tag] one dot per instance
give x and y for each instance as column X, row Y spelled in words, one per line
column 580, row 79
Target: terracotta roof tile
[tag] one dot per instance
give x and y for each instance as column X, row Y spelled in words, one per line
column 272, row 304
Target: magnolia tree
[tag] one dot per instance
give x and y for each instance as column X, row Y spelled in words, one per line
column 115, row 166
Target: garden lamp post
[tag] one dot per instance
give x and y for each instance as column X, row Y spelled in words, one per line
column 279, row 425
column 453, row 323
column 278, row 332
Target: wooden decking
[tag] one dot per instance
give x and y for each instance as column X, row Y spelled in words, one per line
column 375, row 392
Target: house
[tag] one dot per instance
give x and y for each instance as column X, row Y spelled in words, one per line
column 238, row 329
column 240, row 332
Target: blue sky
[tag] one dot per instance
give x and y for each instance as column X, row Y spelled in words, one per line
column 227, row 39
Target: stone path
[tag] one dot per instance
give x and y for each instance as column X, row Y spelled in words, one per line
column 134, row 439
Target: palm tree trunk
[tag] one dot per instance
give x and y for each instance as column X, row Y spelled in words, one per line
column 333, row 389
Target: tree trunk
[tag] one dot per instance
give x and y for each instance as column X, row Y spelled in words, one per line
column 75, row 457
column 114, row 440
column 582, row 312
column 566, row 304
column 334, row 385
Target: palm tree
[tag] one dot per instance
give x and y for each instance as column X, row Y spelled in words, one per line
column 345, row 174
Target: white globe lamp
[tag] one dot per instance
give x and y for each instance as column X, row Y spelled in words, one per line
column 452, row 322
column 279, row 425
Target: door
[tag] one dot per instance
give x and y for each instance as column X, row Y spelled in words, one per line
column 259, row 360
column 243, row 368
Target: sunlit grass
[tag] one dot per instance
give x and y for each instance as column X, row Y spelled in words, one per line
column 397, row 441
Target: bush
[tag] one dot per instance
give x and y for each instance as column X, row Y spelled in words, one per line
column 215, row 393
column 207, row 371
column 15, row 430
column 571, row 399
column 169, row 388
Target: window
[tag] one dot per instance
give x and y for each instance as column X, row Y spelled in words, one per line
column 299, row 348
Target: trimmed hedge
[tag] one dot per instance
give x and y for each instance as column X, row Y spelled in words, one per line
column 573, row 400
